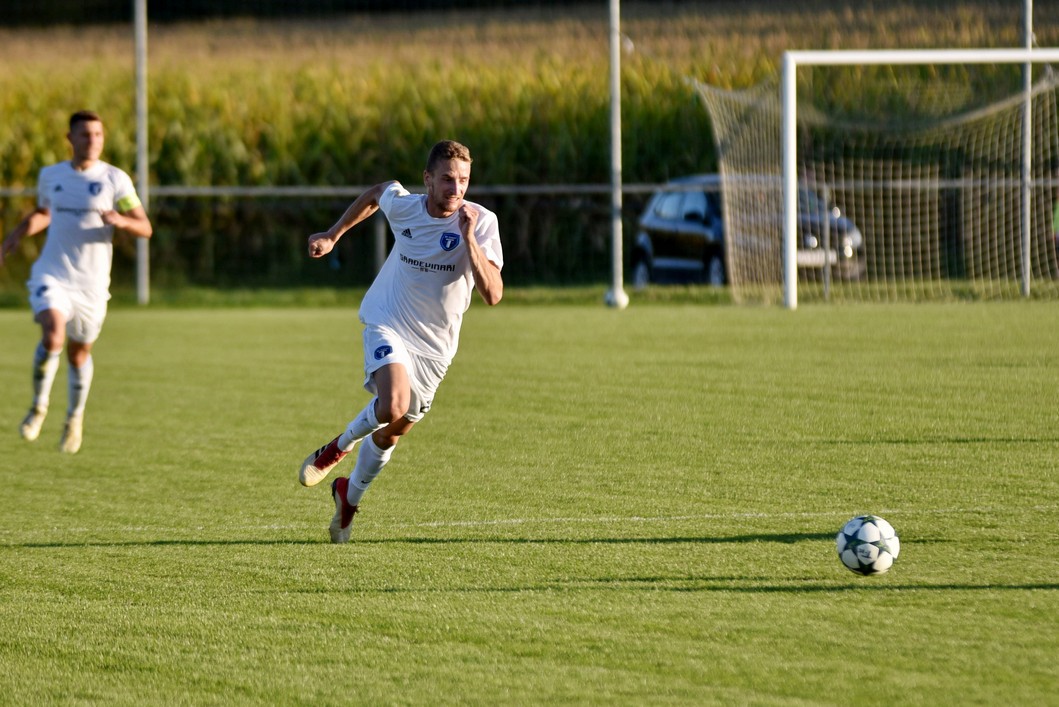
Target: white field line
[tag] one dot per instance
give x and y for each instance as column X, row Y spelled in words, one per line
column 602, row 520
column 712, row 516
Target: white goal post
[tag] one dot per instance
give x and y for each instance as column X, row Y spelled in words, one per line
column 792, row 60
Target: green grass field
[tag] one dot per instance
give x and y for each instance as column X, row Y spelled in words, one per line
column 603, row 507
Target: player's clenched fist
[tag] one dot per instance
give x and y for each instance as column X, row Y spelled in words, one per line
column 320, row 244
column 468, row 219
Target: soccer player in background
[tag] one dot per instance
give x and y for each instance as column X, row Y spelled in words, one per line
column 80, row 202
column 444, row 247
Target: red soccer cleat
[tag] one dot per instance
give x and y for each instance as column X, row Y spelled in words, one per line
column 342, row 523
column 319, row 464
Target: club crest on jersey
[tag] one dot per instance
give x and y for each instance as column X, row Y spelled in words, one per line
column 94, row 188
column 382, row 352
column 449, row 241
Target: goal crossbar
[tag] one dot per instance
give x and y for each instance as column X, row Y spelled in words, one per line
column 788, row 95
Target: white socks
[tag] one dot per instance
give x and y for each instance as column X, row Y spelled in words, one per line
column 370, row 459
column 45, row 366
column 370, row 462
column 79, row 384
column 362, row 425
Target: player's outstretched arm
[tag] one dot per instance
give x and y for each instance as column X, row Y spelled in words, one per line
column 34, row 222
column 320, row 244
column 487, row 278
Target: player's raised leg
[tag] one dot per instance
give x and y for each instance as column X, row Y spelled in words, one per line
column 45, row 367
column 319, row 464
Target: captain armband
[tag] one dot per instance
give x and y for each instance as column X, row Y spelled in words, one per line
column 128, row 203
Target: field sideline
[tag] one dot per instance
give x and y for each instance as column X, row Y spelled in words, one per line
column 603, row 507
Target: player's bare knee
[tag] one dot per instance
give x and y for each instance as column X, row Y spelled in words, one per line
column 389, row 410
column 385, row 439
column 53, row 343
column 76, row 357
column 52, row 333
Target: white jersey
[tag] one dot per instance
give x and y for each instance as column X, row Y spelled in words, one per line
column 79, row 248
column 426, row 283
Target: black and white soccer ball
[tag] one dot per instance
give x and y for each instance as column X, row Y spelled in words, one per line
column 868, row 545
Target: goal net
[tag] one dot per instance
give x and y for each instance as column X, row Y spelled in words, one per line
column 910, row 184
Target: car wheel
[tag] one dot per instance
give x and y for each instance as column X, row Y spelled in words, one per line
column 715, row 270
column 641, row 275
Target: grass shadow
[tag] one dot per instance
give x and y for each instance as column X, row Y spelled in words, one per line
column 785, row 538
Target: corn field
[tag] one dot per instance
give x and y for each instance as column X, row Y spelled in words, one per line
column 355, row 99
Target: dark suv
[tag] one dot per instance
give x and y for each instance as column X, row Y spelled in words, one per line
column 681, row 235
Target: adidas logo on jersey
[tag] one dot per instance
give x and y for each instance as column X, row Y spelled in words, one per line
column 407, row 233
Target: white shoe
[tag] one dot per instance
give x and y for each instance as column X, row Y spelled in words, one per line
column 319, row 464
column 71, row 440
column 32, row 423
column 342, row 523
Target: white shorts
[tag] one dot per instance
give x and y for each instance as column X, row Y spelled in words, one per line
column 383, row 347
column 84, row 311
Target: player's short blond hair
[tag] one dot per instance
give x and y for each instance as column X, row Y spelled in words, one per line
column 447, row 150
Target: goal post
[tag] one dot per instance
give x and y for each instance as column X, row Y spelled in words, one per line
column 792, row 60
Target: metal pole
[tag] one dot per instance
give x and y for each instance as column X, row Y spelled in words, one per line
column 825, row 195
column 616, row 297
column 143, row 270
column 1027, row 150
column 790, row 183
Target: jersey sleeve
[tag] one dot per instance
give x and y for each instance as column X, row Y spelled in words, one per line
column 43, row 192
column 125, row 197
column 390, row 199
column 487, row 233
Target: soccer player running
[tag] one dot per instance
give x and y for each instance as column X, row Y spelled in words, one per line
column 80, row 202
column 444, row 247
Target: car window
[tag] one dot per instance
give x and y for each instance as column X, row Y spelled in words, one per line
column 669, row 206
column 694, row 206
column 713, row 199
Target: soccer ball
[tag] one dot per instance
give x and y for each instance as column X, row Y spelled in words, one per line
column 868, row 545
